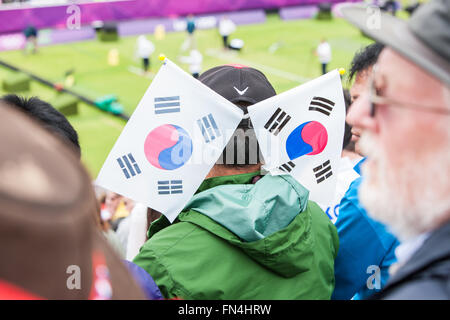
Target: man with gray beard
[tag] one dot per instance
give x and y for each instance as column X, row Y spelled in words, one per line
column 404, row 119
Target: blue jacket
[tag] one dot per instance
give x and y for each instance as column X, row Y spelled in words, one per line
column 144, row 280
column 190, row 26
column 364, row 246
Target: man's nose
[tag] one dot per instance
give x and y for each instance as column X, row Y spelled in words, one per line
column 359, row 114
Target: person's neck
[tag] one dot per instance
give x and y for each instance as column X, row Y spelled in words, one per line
column 221, row 170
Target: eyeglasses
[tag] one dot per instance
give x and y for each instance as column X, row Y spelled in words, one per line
column 375, row 100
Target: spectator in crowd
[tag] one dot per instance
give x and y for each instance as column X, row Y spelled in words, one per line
column 49, row 245
column 138, row 226
column 144, row 50
column 366, row 248
column 194, row 60
column 109, row 207
column 141, row 219
column 116, row 241
column 110, row 235
column 226, row 28
column 50, row 118
column 123, row 228
column 348, row 146
column 189, row 43
column 243, row 235
column 360, row 70
column 403, row 116
column 345, row 175
column 122, row 211
column 55, row 123
column 323, row 51
column 31, row 34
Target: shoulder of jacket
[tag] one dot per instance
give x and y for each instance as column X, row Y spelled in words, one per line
column 431, row 282
column 159, row 269
column 419, row 288
column 170, row 236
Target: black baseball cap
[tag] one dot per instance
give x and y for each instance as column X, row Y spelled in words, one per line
column 424, row 39
column 238, row 83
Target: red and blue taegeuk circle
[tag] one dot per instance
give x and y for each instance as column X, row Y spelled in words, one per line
column 309, row 138
column 168, row 147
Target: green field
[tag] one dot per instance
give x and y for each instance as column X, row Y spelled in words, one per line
column 291, row 64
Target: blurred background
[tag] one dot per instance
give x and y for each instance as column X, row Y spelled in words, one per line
column 94, row 60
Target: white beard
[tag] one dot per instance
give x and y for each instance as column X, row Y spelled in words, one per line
column 410, row 199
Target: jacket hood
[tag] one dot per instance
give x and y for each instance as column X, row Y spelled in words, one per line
column 269, row 220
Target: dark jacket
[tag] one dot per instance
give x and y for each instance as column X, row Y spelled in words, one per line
column 426, row 275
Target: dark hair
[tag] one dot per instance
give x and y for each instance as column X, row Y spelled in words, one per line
column 348, row 128
column 49, row 117
column 364, row 59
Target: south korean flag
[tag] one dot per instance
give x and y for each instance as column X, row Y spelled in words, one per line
column 300, row 132
column 174, row 137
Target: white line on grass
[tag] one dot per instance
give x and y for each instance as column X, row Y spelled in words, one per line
column 225, row 56
column 111, row 123
column 139, row 72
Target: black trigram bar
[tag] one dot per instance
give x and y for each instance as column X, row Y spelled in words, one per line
column 167, row 104
column 287, row 167
column 322, row 105
column 209, row 128
column 128, row 165
column 323, row 171
column 170, row 187
column 277, row 121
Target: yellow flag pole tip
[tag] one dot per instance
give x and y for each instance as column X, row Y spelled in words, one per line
column 341, row 71
column 162, row 57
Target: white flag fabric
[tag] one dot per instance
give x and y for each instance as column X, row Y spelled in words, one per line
column 300, row 132
column 176, row 134
column 344, row 177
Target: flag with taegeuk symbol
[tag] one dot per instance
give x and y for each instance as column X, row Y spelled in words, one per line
column 300, row 132
column 174, row 137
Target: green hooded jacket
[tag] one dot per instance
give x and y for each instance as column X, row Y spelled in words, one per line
column 238, row 240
